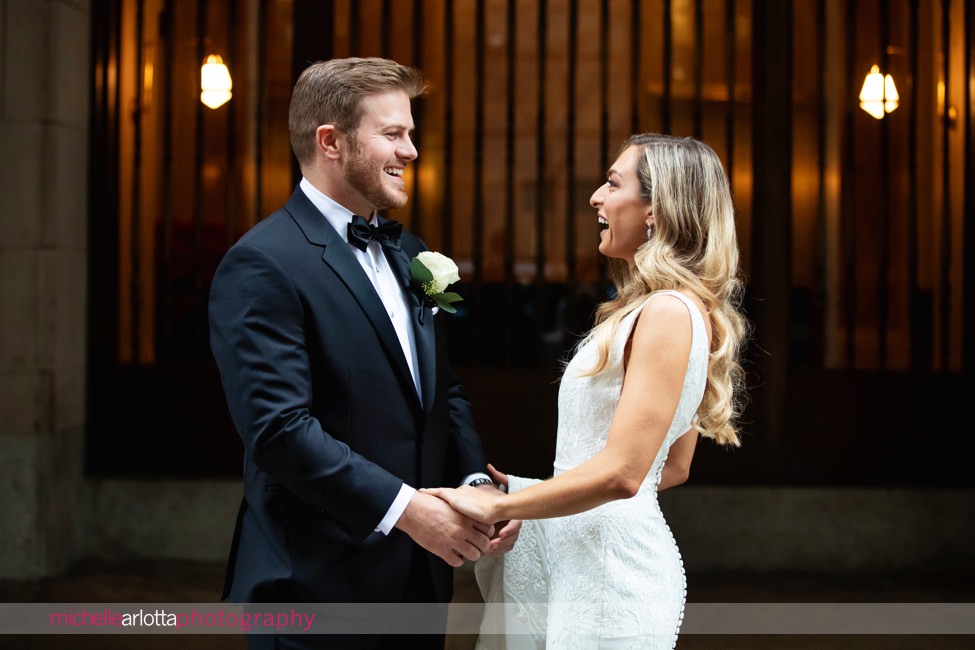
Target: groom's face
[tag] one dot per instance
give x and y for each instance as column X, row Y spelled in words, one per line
column 381, row 151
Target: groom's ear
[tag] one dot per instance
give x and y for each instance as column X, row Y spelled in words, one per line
column 329, row 141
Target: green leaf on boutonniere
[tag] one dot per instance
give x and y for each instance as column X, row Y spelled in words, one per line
column 444, row 301
column 421, row 274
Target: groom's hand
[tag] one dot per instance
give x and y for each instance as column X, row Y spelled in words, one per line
column 443, row 531
column 504, row 540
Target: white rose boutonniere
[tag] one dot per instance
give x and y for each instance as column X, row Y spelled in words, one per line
column 432, row 274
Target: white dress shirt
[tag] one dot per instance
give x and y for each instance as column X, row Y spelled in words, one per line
column 394, row 298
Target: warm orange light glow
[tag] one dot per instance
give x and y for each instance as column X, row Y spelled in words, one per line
column 879, row 94
column 215, row 82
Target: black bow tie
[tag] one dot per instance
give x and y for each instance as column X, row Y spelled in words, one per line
column 361, row 232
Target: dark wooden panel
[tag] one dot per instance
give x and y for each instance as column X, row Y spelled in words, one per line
column 805, row 425
column 770, row 285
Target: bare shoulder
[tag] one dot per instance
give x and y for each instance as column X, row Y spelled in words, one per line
column 666, row 309
column 665, row 322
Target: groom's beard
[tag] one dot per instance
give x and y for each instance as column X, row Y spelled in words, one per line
column 369, row 181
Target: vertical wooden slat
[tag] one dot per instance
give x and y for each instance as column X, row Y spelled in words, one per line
column 918, row 358
column 103, row 222
column 731, row 59
column 668, row 64
column 386, row 24
column 261, row 117
column 604, row 68
column 944, row 285
column 309, row 45
column 540, row 184
column 135, row 244
column 355, row 29
column 119, row 115
column 509, row 180
column 883, row 225
column 418, row 117
column 968, row 277
column 103, row 202
column 698, row 68
column 198, row 189
column 772, row 144
column 448, row 154
column 417, row 20
column 603, row 84
column 635, row 63
column 849, row 190
column 230, row 159
column 477, row 216
column 165, row 301
column 570, row 139
column 817, row 313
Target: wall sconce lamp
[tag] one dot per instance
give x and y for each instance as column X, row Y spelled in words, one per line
column 878, row 95
column 215, row 82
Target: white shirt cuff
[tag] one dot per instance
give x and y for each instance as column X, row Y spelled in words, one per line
column 475, row 475
column 403, row 499
column 396, row 509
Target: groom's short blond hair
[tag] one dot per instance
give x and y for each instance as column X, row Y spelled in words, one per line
column 331, row 92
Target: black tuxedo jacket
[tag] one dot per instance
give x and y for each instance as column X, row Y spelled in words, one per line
column 320, row 392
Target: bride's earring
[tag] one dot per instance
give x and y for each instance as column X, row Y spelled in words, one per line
column 650, row 231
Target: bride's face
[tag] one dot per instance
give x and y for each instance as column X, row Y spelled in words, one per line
column 623, row 214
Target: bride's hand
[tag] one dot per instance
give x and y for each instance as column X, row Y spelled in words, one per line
column 476, row 504
column 499, row 478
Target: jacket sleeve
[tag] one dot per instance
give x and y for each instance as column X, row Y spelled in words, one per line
column 259, row 342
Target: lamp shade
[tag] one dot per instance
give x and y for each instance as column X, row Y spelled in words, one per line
column 878, row 96
column 215, row 82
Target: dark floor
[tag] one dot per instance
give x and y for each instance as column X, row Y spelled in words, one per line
column 187, row 582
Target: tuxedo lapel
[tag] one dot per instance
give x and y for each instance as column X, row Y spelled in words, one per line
column 423, row 328
column 339, row 258
column 426, row 352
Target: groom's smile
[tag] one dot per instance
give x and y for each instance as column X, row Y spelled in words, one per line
column 381, row 151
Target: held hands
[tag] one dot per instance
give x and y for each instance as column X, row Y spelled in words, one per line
column 443, row 531
column 504, row 539
column 477, row 503
column 480, row 504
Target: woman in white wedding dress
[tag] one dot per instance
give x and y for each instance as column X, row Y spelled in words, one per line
column 596, row 565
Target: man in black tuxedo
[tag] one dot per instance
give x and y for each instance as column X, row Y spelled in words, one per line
column 336, row 375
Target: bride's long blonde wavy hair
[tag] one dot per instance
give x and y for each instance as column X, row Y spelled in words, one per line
column 693, row 247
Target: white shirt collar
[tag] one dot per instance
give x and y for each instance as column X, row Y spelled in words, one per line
column 338, row 215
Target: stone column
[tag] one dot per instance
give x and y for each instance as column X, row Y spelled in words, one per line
column 44, row 107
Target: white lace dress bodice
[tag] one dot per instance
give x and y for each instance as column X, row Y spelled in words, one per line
column 610, row 577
